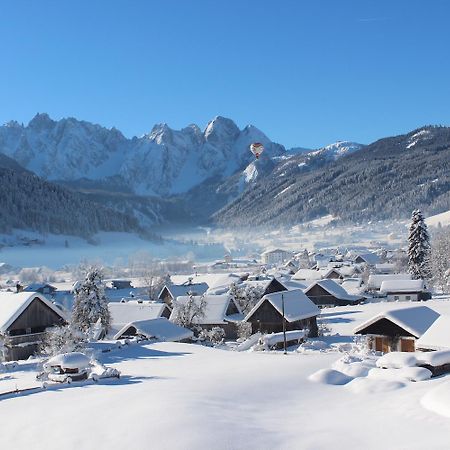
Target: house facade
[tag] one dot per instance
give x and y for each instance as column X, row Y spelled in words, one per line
column 397, row 329
column 24, row 318
column 327, row 293
column 299, row 313
column 404, row 290
column 276, row 256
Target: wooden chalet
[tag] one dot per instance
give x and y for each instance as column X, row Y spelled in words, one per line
column 329, row 293
column 405, row 290
column 299, row 312
column 24, row 318
column 397, row 329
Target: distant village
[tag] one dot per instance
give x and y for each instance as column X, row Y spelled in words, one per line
column 232, row 299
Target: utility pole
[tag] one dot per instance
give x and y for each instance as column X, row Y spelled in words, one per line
column 284, row 324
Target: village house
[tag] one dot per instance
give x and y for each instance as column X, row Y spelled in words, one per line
column 171, row 291
column 159, row 328
column 126, row 312
column 219, row 311
column 404, row 290
column 329, row 293
column 369, row 259
column 24, row 318
column 375, row 280
column 275, row 256
column 397, row 329
column 307, row 275
column 299, row 312
column 270, row 286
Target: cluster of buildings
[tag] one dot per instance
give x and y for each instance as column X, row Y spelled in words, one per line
column 291, row 289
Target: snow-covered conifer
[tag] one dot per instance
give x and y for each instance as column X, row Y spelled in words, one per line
column 90, row 302
column 418, row 247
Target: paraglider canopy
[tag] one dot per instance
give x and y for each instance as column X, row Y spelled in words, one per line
column 256, row 148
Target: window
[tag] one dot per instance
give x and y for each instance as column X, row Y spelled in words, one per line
column 396, row 297
column 408, row 297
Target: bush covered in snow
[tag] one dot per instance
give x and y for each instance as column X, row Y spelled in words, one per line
column 64, row 339
column 216, row 335
column 189, row 311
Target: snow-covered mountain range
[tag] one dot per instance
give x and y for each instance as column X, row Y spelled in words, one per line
column 162, row 162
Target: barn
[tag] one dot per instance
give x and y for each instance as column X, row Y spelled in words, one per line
column 299, row 312
column 329, row 293
column 397, row 329
column 24, row 317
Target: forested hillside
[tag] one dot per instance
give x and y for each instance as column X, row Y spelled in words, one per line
column 384, row 180
column 28, row 202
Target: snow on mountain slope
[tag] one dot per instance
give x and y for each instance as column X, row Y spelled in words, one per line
column 442, row 219
column 338, row 149
column 163, row 162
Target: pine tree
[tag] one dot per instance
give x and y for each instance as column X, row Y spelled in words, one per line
column 418, row 247
column 90, row 302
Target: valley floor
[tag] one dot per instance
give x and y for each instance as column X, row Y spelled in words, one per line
column 184, row 396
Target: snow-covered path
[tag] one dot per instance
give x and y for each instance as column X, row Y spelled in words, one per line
column 181, row 396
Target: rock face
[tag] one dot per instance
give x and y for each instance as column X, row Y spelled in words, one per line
column 161, row 163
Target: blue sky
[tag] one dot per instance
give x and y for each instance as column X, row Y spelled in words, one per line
column 307, row 73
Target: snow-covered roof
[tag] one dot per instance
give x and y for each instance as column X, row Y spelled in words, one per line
column 132, row 310
column 352, row 285
column 385, row 266
column 33, row 287
column 297, row 305
column 74, row 360
column 177, row 290
column 215, row 309
column 437, row 337
column 375, row 281
column 369, row 258
column 12, row 304
column 402, row 286
column 415, row 320
column 334, row 289
column 346, row 271
column 307, row 274
column 160, row 328
column 294, row 284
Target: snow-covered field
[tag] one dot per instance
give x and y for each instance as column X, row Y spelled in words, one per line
column 183, row 396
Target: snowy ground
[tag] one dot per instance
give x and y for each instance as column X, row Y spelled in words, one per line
column 181, row 396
